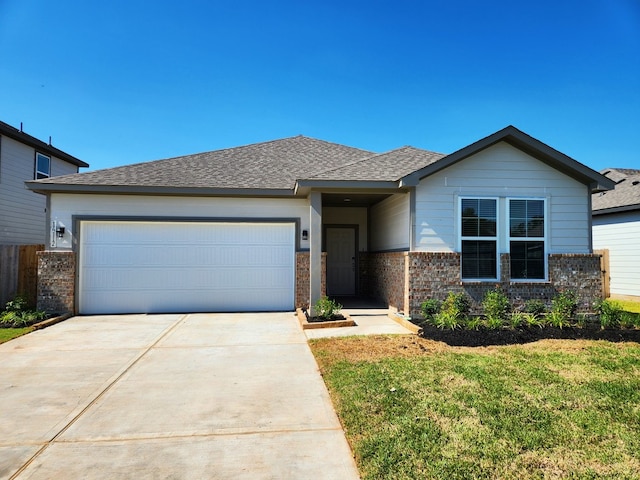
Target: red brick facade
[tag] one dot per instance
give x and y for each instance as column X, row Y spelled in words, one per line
column 56, row 282
column 303, row 278
column 405, row 279
column 383, row 276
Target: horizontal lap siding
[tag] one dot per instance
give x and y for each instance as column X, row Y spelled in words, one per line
column 390, row 224
column 501, row 171
column 22, row 212
column 620, row 234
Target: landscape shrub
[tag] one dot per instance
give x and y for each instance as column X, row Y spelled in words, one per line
column 563, row 308
column 430, row 308
column 327, row 309
column 496, row 308
column 610, row 313
column 535, row 307
column 18, row 314
column 453, row 311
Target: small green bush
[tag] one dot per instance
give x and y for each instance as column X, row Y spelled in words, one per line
column 326, row 308
column 496, row 308
column 558, row 319
column 430, row 308
column 17, row 313
column 563, row 308
column 453, row 311
column 19, row 304
column 474, row 323
column 517, row 319
column 535, row 307
column 610, row 313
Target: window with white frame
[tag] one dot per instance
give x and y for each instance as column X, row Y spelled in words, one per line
column 527, row 245
column 43, row 166
column 479, row 238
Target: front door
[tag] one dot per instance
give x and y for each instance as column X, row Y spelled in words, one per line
column 341, row 260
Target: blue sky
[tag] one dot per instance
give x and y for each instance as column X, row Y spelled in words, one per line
column 126, row 81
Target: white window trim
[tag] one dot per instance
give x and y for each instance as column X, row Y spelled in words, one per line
column 496, row 238
column 38, row 172
column 530, row 239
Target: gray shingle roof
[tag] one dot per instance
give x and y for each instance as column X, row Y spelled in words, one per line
column 625, row 195
column 389, row 166
column 269, row 165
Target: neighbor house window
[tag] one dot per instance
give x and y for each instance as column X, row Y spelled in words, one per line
column 43, row 166
column 527, row 239
column 479, row 239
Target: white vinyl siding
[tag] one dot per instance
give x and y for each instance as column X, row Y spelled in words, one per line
column 64, row 206
column 162, row 267
column 22, row 212
column 620, row 234
column 390, row 224
column 504, row 171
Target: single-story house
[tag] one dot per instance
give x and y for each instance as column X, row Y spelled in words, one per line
column 278, row 224
column 616, row 228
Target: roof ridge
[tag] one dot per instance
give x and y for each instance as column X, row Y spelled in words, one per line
column 370, row 157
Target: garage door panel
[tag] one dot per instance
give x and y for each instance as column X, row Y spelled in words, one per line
column 128, row 267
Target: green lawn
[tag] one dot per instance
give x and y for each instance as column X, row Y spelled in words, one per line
column 7, row 334
column 629, row 306
column 414, row 408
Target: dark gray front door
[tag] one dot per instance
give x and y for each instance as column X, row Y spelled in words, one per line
column 341, row 260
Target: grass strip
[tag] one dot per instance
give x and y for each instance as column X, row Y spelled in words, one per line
column 415, row 408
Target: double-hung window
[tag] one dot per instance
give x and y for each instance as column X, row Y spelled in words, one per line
column 479, row 238
column 43, row 166
column 527, row 239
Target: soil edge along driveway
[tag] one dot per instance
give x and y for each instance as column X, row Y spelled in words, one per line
column 197, row 396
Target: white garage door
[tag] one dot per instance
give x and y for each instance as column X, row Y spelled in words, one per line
column 156, row 267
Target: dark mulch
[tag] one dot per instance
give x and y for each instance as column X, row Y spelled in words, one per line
column 323, row 319
column 485, row 337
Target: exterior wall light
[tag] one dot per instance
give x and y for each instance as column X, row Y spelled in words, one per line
column 60, row 232
column 305, row 234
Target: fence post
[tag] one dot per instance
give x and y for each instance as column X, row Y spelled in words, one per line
column 604, row 268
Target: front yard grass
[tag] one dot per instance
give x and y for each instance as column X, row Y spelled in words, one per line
column 7, row 334
column 415, row 408
column 629, row 305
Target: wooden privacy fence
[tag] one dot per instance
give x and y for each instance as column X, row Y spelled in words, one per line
column 18, row 272
column 604, row 268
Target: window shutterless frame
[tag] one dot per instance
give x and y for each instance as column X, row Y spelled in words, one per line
column 479, row 231
column 527, row 226
column 43, row 166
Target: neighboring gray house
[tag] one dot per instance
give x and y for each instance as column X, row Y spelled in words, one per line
column 616, row 227
column 275, row 225
column 22, row 158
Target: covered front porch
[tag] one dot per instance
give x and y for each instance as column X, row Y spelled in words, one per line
column 348, row 229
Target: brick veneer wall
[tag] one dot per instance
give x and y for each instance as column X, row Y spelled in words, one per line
column 56, row 282
column 303, row 278
column 404, row 280
column 383, row 276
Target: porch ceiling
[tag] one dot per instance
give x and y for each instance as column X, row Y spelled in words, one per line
column 352, row 200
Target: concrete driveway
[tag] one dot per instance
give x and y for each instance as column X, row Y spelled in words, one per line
column 168, row 396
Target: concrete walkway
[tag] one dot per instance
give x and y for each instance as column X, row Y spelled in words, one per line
column 223, row 396
column 370, row 320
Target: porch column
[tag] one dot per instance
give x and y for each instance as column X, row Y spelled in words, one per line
column 315, row 249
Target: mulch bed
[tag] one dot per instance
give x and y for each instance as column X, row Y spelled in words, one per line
column 486, row 337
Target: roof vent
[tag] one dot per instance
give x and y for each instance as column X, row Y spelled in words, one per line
column 635, row 182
